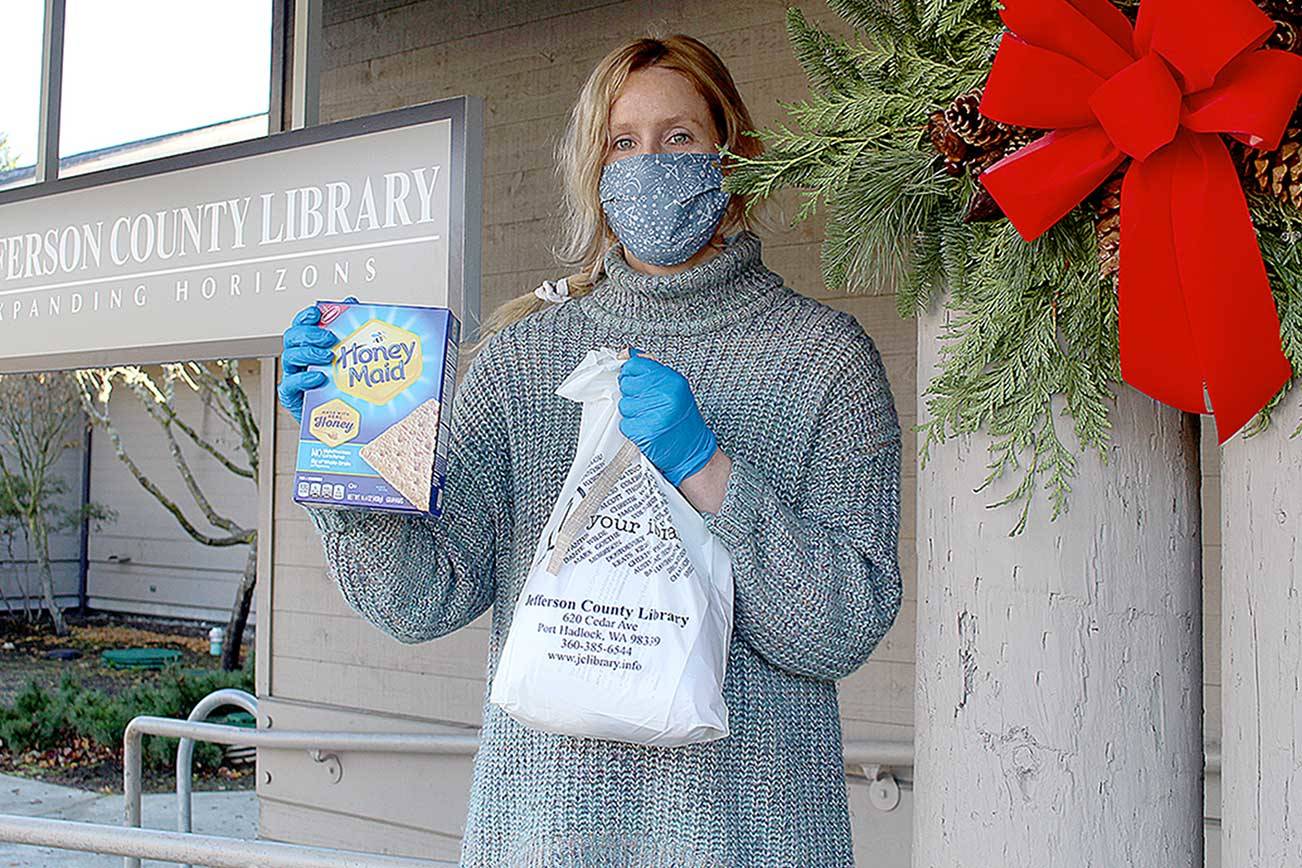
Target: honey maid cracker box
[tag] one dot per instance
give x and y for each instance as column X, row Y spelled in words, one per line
column 375, row 435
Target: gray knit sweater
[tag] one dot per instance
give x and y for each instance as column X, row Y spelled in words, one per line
column 797, row 396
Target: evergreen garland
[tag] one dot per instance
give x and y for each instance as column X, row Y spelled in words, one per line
column 1031, row 345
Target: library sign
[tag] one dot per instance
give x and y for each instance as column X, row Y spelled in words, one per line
column 210, row 253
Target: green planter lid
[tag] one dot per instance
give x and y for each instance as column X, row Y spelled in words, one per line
column 235, row 718
column 139, row 658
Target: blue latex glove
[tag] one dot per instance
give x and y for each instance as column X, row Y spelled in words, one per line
column 306, row 343
column 661, row 417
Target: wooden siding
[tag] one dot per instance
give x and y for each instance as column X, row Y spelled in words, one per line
column 19, row 576
column 167, row 573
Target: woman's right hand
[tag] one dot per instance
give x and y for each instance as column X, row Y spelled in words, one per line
column 306, row 343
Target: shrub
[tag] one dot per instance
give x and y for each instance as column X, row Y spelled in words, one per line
column 42, row 719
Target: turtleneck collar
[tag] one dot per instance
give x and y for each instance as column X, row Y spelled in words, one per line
column 727, row 287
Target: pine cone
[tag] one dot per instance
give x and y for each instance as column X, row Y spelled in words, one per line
column 952, row 149
column 965, row 140
column 982, row 206
column 1287, row 15
column 1106, row 205
column 1278, row 172
column 1018, row 138
column 1287, row 35
column 965, row 119
column 968, row 141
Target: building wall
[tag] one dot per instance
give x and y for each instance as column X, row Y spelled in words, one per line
column 142, row 562
column 327, row 667
column 20, row 583
column 165, row 572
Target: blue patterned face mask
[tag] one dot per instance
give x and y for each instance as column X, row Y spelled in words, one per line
column 664, row 207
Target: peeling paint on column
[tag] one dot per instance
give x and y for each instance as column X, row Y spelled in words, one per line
column 1261, row 700
column 1059, row 702
column 1156, row 714
column 967, row 660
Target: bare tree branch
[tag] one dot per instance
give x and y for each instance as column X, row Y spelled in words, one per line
column 95, row 393
column 219, row 390
column 161, row 403
column 164, row 419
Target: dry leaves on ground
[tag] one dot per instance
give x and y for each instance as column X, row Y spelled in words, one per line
column 78, row 753
column 117, row 636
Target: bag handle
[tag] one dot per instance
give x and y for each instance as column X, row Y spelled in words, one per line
column 577, row 521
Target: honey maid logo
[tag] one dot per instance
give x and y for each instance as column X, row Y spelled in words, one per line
column 377, row 361
column 334, row 422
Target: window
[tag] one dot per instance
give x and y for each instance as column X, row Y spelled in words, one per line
column 150, row 78
column 140, row 79
column 21, row 25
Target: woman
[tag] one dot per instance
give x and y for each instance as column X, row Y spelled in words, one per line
column 769, row 410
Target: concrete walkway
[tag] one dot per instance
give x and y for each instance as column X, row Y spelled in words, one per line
column 232, row 814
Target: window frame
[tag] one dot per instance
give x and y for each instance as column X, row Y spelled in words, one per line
column 289, row 19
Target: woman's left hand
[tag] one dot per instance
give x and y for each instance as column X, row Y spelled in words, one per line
column 660, row 415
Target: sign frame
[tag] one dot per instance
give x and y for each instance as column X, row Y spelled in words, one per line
column 465, row 243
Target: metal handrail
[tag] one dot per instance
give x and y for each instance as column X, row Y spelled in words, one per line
column 185, row 750
column 221, row 852
column 209, row 850
column 888, row 754
column 875, row 758
column 132, row 773
column 877, row 755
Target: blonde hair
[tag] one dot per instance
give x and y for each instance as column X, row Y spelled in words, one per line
column 581, row 152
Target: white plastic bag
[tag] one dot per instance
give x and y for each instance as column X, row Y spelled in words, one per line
column 621, row 630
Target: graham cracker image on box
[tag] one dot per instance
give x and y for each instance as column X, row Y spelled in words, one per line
column 403, row 454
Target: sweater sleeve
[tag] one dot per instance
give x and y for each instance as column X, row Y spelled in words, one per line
column 418, row 577
column 817, row 580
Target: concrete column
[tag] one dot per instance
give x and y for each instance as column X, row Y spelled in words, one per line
column 1059, row 698
column 1261, row 699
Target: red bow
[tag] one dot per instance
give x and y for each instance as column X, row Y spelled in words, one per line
column 1194, row 300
